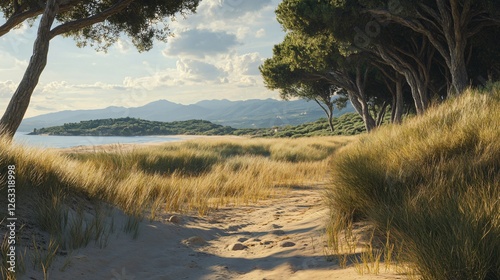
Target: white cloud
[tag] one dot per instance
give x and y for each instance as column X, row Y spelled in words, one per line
column 123, row 45
column 7, row 88
column 242, row 32
column 200, row 43
column 11, row 63
column 238, row 17
column 215, row 54
column 234, row 8
column 248, row 64
column 260, row 33
column 199, row 71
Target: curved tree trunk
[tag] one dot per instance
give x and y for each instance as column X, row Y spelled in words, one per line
column 397, row 110
column 361, row 79
column 381, row 114
column 362, row 109
column 19, row 102
column 370, row 123
column 328, row 111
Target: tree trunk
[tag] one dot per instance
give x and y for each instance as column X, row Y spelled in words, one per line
column 458, row 70
column 362, row 109
column 370, row 123
column 330, row 122
column 330, row 116
column 417, row 93
column 381, row 113
column 397, row 110
column 14, row 114
column 328, row 111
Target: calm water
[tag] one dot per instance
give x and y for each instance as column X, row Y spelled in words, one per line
column 73, row 141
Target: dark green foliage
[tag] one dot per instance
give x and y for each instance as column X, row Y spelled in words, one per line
column 135, row 127
column 143, row 21
column 347, row 124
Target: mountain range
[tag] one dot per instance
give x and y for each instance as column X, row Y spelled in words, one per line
column 253, row 113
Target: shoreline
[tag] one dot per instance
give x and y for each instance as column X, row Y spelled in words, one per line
column 130, row 146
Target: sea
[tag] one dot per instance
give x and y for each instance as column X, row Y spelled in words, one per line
column 48, row 141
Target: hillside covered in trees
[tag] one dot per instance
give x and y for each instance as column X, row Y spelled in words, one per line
column 135, row 127
column 347, row 124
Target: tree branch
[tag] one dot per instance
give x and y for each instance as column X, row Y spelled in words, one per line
column 24, row 12
column 84, row 22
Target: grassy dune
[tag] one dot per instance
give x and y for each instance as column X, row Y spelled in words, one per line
column 70, row 195
column 433, row 184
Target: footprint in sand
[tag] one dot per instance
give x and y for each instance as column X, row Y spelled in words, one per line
column 285, row 244
column 278, row 232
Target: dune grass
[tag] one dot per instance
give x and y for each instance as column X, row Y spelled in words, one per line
column 433, row 183
column 71, row 195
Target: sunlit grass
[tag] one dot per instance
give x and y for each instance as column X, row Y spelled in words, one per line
column 433, row 183
column 203, row 174
column 70, row 194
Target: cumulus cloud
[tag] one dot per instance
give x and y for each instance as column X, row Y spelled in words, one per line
column 7, row 88
column 238, row 17
column 260, row 33
column 243, row 65
column 199, row 71
column 200, row 43
column 11, row 63
column 187, row 72
column 234, row 8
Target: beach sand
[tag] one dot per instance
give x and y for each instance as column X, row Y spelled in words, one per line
column 279, row 238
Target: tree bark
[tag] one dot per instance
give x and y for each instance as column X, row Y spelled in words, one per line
column 361, row 79
column 458, row 70
column 356, row 93
column 452, row 22
column 329, row 113
column 362, row 109
column 397, row 110
column 415, row 69
column 381, row 113
column 19, row 102
column 370, row 123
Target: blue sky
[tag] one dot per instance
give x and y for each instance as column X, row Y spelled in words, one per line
column 214, row 54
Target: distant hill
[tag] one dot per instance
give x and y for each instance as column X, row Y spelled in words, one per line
column 347, row 124
column 135, row 127
column 254, row 113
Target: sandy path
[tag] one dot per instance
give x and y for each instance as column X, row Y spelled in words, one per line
column 280, row 238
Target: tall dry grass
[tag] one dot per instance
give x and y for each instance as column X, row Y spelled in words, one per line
column 71, row 195
column 433, row 183
column 203, row 174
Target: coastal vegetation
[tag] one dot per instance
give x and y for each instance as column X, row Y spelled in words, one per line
column 422, row 187
column 346, row 124
column 70, row 196
column 424, row 180
column 429, row 188
column 135, row 127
